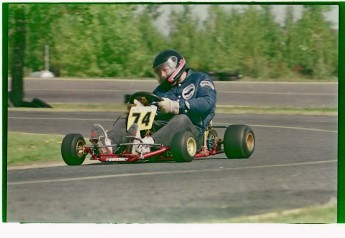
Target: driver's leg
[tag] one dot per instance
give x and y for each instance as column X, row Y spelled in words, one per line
column 177, row 124
column 118, row 133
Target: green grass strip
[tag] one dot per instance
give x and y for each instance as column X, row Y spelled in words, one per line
column 29, row 148
column 316, row 214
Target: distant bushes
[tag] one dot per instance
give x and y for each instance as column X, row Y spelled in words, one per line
column 120, row 40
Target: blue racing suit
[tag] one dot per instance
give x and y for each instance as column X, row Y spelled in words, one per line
column 197, row 97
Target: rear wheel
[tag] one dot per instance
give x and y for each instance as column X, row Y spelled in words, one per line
column 239, row 141
column 72, row 149
column 183, row 147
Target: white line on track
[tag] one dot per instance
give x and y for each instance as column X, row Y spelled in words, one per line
column 275, row 83
column 295, row 128
column 169, row 172
column 278, row 93
column 78, row 90
column 284, row 127
column 60, row 118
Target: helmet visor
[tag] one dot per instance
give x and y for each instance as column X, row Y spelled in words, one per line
column 164, row 70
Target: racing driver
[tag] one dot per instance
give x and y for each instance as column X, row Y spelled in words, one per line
column 189, row 103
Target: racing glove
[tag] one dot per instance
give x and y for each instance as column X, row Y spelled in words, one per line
column 169, row 106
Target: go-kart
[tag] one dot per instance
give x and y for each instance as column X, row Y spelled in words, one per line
column 238, row 140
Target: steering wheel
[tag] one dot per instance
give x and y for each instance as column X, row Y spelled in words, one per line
column 145, row 97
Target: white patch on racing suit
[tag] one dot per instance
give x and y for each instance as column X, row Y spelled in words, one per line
column 206, row 83
column 188, row 91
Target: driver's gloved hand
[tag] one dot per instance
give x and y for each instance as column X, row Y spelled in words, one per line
column 169, row 106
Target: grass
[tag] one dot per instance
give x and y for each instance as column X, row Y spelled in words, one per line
column 28, row 148
column 97, row 107
column 315, row 214
column 293, row 79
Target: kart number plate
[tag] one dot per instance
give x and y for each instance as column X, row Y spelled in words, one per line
column 143, row 116
column 120, row 159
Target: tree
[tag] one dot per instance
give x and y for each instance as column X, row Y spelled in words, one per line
column 251, row 42
column 288, row 31
column 120, row 40
column 150, row 40
column 40, row 19
column 220, row 50
column 76, row 40
column 315, row 48
column 18, row 33
column 184, row 34
column 274, row 44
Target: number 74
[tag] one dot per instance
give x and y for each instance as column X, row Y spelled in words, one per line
column 143, row 116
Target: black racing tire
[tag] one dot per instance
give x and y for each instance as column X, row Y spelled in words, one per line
column 183, row 147
column 239, row 141
column 72, row 149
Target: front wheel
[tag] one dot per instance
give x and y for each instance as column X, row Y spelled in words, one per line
column 183, row 147
column 239, row 141
column 72, row 149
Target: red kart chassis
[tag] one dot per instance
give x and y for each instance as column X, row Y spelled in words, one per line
column 238, row 140
column 160, row 153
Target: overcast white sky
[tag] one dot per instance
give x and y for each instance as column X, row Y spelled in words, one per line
column 278, row 10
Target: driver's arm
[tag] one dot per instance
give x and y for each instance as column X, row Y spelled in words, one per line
column 204, row 102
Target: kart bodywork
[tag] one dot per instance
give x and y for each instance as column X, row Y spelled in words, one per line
column 238, row 140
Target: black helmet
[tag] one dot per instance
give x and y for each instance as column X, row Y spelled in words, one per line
column 171, row 63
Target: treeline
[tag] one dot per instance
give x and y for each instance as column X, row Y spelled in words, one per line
column 120, row 40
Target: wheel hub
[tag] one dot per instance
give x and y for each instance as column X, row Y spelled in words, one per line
column 191, row 146
column 250, row 141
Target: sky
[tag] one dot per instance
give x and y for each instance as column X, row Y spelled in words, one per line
column 278, row 10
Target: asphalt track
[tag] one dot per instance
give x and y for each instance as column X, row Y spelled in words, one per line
column 236, row 93
column 294, row 165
